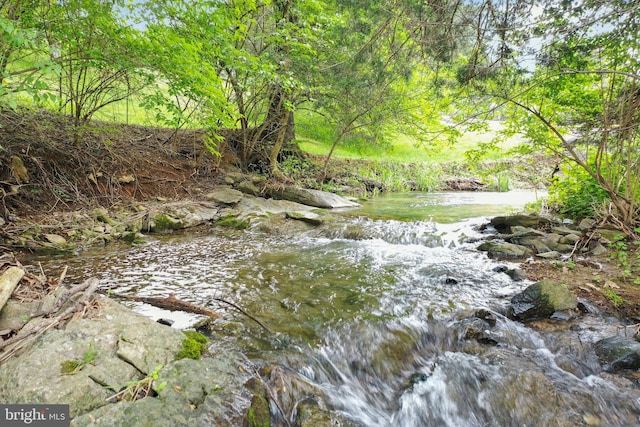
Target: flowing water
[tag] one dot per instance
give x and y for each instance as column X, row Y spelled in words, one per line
column 387, row 315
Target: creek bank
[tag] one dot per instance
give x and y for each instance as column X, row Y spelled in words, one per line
column 581, row 280
column 224, row 205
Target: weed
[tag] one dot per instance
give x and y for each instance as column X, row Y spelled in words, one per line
column 69, row 367
column 629, row 265
column 135, row 390
column 613, row 297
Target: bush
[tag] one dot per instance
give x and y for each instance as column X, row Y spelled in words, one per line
column 577, row 194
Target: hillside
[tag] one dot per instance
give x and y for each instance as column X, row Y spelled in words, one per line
column 44, row 171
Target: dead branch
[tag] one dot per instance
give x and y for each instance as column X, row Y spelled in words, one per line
column 243, row 312
column 171, row 303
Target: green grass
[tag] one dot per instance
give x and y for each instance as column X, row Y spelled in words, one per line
column 315, row 137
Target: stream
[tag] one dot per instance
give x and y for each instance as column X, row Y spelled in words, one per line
column 386, row 316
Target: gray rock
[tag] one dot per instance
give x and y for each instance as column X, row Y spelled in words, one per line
column 178, row 216
column 598, row 250
column 203, row 392
column 98, row 333
column 531, row 241
column 308, row 217
column 563, row 230
column 225, row 195
column 316, row 198
column 569, row 239
column 520, row 231
column 542, row 300
column 550, row 255
column 504, row 224
column 586, row 224
column 15, row 314
column 618, row 353
column 251, row 206
column 505, row 250
column 516, row 274
column 248, row 187
column 611, row 235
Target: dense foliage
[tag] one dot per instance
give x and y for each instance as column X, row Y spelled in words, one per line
column 563, row 74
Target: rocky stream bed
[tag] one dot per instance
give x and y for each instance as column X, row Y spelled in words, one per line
column 75, row 344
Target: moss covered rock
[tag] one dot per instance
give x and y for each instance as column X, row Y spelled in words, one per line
column 542, row 300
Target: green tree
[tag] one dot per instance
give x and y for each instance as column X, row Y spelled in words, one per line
column 25, row 56
column 98, row 54
column 575, row 95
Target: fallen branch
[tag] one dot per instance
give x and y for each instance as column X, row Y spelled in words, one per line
column 243, row 312
column 171, row 303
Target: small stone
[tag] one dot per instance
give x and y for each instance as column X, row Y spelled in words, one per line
column 167, row 322
column 55, row 239
column 550, row 255
column 126, row 179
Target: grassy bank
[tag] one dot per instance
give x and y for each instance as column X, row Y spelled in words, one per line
column 404, row 164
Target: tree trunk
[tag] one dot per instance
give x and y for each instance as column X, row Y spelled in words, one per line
column 277, row 147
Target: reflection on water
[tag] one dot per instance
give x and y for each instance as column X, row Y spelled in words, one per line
column 446, row 207
column 372, row 311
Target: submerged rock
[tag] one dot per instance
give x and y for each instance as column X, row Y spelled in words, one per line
column 542, row 300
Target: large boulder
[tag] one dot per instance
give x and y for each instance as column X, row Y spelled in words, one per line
column 87, row 361
column 542, row 300
column 316, row 198
column 618, row 353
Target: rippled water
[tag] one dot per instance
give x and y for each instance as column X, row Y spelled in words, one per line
column 372, row 314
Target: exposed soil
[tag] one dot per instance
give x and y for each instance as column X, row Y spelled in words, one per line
column 111, row 164
column 114, row 165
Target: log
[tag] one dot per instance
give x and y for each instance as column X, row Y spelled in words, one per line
column 172, row 303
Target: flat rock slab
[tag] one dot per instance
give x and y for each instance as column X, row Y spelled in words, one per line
column 315, row 198
column 225, row 195
column 36, row 376
column 207, row 392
